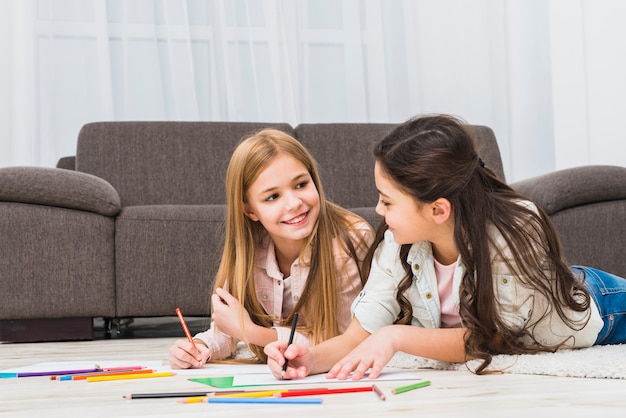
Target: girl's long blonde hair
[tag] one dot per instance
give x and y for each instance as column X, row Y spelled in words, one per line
column 317, row 306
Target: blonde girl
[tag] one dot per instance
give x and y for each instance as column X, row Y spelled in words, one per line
column 287, row 249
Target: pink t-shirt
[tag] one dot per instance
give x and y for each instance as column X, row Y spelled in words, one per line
column 449, row 311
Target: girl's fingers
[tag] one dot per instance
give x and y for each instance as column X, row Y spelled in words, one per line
column 226, row 297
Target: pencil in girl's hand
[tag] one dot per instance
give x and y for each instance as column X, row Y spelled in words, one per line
column 291, row 334
column 185, row 328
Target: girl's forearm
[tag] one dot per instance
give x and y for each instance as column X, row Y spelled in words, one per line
column 261, row 336
column 329, row 352
column 442, row 344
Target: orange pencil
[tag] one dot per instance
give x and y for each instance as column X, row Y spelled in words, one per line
column 185, row 328
column 129, row 376
column 120, row 373
column 255, row 394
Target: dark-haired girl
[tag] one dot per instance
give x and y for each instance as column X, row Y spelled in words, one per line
column 464, row 267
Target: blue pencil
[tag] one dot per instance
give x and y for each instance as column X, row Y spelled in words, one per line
column 224, row 399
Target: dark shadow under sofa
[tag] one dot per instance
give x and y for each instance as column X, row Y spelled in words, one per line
column 132, row 226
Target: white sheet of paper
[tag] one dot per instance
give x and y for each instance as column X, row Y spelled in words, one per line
column 269, row 379
column 214, row 369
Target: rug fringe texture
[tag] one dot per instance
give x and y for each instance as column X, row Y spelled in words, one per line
column 601, row 361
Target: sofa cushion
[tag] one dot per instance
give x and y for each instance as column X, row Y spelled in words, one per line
column 574, row 187
column 167, row 257
column 160, row 163
column 344, row 154
column 58, row 187
column 56, row 262
column 346, row 163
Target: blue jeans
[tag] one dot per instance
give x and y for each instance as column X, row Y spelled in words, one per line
column 609, row 294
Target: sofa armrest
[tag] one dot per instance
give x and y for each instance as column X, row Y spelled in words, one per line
column 60, row 188
column 575, row 187
column 68, row 163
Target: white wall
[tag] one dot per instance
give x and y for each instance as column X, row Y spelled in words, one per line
column 589, row 81
column 546, row 75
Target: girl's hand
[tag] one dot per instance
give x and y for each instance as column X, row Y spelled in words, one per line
column 227, row 313
column 375, row 352
column 299, row 356
column 183, row 355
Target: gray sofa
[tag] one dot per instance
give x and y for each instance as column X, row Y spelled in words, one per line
column 132, row 225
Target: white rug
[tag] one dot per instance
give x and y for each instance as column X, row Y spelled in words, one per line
column 603, row 361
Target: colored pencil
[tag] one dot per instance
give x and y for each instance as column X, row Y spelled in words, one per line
column 85, row 376
column 304, row 392
column 270, row 400
column 178, row 394
column 48, row 373
column 193, row 399
column 185, row 328
column 407, row 388
column 254, row 394
column 379, row 392
column 122, row 368
column 129, row 376
column 291, row 334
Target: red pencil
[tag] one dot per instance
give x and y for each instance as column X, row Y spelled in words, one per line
column 304, row 392
column 185, row 328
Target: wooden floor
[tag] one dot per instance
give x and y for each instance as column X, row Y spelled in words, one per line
column 452, row 393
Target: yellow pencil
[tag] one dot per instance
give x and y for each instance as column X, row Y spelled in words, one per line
column 129, row 376
column 194, row 399
column 259, row 394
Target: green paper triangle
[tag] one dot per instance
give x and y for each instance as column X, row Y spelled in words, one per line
column 218, row 382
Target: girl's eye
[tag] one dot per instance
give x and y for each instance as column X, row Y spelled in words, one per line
column 382, row 202
column 302, row 185
column 272, row 197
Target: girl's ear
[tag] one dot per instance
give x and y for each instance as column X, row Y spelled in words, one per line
column 247, row 210
column 442, row 210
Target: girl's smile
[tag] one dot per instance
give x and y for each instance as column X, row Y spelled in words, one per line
column 298, row 219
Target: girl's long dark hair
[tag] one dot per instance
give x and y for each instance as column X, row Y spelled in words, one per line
column 434, row 156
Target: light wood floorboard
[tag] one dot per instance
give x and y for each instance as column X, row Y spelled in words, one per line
column 452, row 393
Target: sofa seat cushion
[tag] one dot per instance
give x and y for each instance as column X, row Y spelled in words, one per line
column 56, row 262
column 167, row 257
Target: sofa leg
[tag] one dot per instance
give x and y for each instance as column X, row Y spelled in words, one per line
column 111, row 327
column 46, row 329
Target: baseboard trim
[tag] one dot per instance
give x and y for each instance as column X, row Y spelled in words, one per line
column 46, row 329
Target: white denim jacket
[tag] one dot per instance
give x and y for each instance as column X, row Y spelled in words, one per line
column 376, row 306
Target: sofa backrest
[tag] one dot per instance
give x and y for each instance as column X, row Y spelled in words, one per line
column 488, row 150
column 344, row 155
column 151, row 163
column 343, row 152
column 166, row 162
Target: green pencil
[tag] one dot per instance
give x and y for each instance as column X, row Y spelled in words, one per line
column 412, row 386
